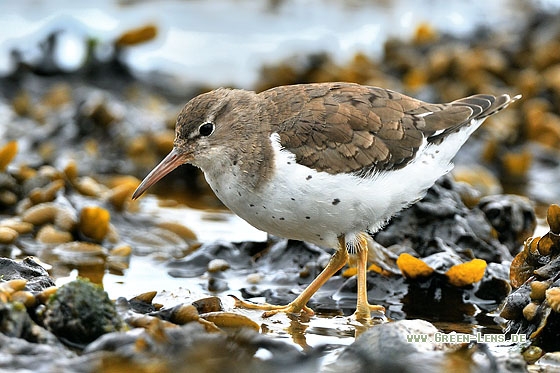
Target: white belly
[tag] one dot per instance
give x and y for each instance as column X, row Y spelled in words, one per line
column 317, row 207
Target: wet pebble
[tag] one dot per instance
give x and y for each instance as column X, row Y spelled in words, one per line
column 94, row 222
column 51, row 212
column 49, row 234
column 218, row 265
column 7, row 235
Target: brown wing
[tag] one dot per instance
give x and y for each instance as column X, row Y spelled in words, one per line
column 343, row 127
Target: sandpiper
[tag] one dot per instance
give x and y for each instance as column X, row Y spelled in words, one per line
column 326, row 163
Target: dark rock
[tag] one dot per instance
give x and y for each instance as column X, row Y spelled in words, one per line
column 37, row 277
column 195, row 264
column 80, row 312
column 441, row 221
column 20, row 355
column 513, row 217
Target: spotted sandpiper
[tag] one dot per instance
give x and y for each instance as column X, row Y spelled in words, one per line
column 326, row 163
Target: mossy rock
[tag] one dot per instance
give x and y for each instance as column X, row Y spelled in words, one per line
column 80, row 312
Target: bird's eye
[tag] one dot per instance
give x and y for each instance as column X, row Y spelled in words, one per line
column 206, row 129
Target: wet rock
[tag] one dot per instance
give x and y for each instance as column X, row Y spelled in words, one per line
column 37, row 277
column 387, row 347
column 210, row 304
column 143, row 303
column 80, row 312
column 20, row 355
column 441, row 222
column 513, row 218
column 17, row 324
column 196, row 263
column 191, row 348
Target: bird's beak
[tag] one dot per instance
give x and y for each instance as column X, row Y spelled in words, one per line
column 173, row 160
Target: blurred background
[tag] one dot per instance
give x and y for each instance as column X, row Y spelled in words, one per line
column 89, row 95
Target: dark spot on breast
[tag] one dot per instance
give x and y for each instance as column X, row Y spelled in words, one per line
column 251, row 205
column 239, row 193
column 264, row 207
column 288, row 162
column 282, row 219
column 235, row 163
column 308, row 177
column 293, row 199
column 273, row 217
column 335, row 201
column 308, row 217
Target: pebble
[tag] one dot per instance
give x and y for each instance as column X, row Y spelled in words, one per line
column 218, row 265
column 7, row 235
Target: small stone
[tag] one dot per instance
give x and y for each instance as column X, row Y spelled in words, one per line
column 146, row 297
column 179, row 229
column 24, row 297
column 7, row 235
column 50, row 235
column 254, row 278
column 46, row 193
column 16, row 224
column 209, row 304
column 230, row 320
column 94, row 222
column 184, row 314
column 50, row 212
column 553, row 218
column 121, row 251
column 218, row 265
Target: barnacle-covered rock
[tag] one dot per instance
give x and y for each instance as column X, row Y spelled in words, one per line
column 534, row 307
column 80, row 312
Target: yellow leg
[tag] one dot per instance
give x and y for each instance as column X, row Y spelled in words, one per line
column 363, row 308
column 338, row 260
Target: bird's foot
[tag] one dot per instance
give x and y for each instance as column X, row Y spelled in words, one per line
column 271, row 309
column 363, row 312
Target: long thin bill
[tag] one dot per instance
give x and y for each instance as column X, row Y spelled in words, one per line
column 173, row 160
